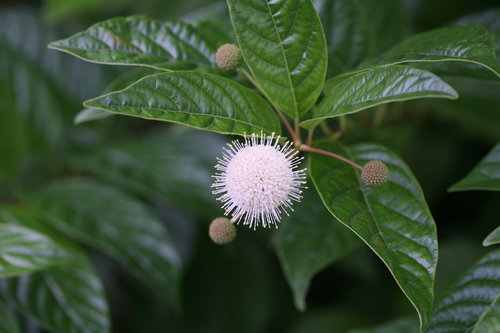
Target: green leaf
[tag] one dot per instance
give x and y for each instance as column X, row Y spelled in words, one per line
column 121, row 82
column 490, row 318
column 492, row 238
column 116, row 224
column 284, row 46
column 140, row 41
column 199, row 100
column 8, row 323
column 402, row 325
column 485, row 176
column 307, row 241
column 377, row 86
column 62, row 299
column 141, row 166
column 471, row 44
column 472, row 303
column 393, row 220
column 23, row 250
column 90, row 114
column 356, row 30
column 490, row 19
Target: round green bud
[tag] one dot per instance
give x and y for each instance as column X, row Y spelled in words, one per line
column 228, row 57
column 222, row 231
column 374, row 173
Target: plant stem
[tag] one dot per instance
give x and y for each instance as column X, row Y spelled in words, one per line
column 324, row 152
column 343, row 124
column 310, row 135
column 325, row 128
column 294, row 135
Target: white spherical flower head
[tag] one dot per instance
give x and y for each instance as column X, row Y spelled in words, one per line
column 258, row 180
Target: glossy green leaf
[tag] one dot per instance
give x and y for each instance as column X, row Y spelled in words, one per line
column 62, row 299
column 490, row 318
column 309, row 240
column 90, row 114
column 485, row 176
column 121, row 82
column 284, row 46
column 377, row 86
column 402, row 325
column 490, row 19
column 472, row 303
column 199, row 100
column 470, row 44
column 23, row 250
column 393, row 220
column 492, row 238
column 116, row 224
column 141, row 166
column 8, row 323
column 140, row 41
column 357, row 30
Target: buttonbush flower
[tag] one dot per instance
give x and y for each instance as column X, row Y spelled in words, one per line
column 258, row 181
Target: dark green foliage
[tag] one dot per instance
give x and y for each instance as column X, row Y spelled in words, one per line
column 104, row 220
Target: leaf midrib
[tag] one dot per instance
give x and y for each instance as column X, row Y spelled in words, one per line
column 285, row 59
column 172, row 111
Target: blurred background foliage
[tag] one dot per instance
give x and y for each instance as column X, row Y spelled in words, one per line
column 165, row 170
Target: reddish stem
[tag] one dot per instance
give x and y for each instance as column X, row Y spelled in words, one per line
column 293, row 135
column 324, row 152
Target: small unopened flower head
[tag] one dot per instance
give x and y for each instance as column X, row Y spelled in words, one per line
column 228, row 57
column 258, row 181
column 222, row 231
column 374, row 173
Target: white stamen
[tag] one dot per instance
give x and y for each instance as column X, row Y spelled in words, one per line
column 257, row 180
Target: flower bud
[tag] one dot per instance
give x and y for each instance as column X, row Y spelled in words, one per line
column 228, row 57
column 374, row 173
column 222, row 231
